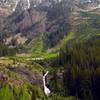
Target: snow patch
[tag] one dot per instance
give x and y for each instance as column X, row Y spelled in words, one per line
column 16, row 5
column 28, row 1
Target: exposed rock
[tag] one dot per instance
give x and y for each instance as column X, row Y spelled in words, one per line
column 27, row 75
column 48, row 17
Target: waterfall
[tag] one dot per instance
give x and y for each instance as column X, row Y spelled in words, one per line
column 46, row 89
column 16, row 5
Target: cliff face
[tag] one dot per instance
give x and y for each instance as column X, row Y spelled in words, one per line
column 34, row 21
column 25, row 22
column 31, row 19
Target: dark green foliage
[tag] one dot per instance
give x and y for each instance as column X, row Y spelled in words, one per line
column 81, row 77
column 55, row 82
column 6, row 51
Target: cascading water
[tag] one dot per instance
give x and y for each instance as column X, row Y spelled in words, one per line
column 16, row 5
column 46, row 89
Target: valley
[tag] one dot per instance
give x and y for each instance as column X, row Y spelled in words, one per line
column 60, row 38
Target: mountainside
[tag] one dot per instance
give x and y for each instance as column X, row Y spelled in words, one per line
column 23, row 21
column 49, row 49
column 33, row 21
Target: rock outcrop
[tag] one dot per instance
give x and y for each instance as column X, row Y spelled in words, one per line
column 31, row 19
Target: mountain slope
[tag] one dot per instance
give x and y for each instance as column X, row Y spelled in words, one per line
column 34, row 21
column 29, row 24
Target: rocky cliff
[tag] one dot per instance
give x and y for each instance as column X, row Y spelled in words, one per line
column 31, row 19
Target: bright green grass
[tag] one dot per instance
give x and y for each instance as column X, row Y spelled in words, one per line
column 37, row 48
column 50, row 55
column 70, row 36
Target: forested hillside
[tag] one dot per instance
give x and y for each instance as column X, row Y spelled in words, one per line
column 49, row 50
